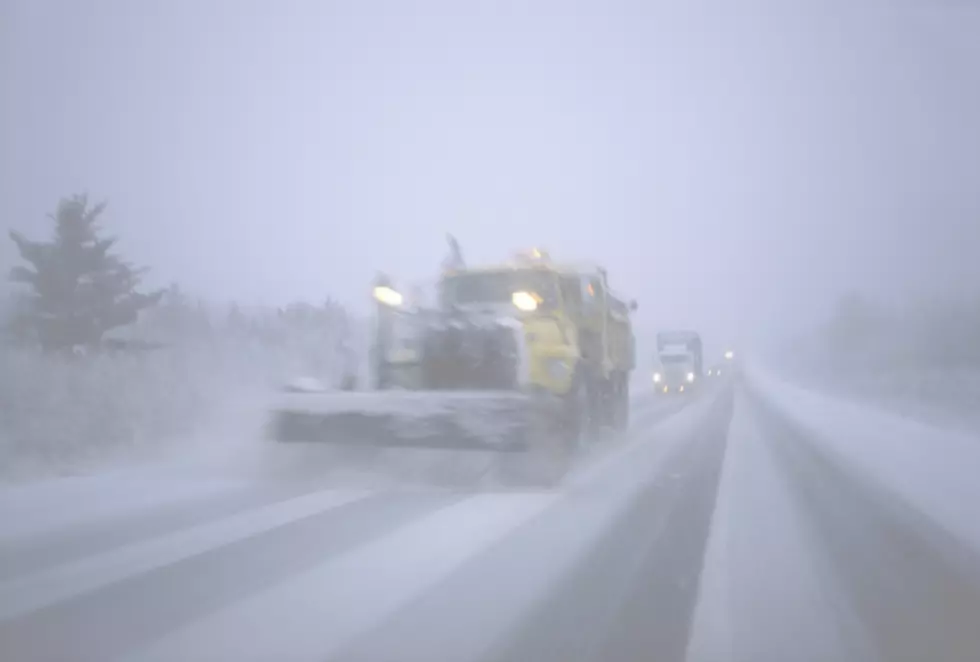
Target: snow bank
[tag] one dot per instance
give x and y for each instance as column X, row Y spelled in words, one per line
column 932, row 469
column 63, row 415
column 919, row 358
column 60, row 414
column 945, row 397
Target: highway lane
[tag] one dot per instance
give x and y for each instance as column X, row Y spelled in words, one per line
column 812, row 558
column 912, row 587
column 716, row 530
column 312, row 569
column 583, row 585
column 87, row 515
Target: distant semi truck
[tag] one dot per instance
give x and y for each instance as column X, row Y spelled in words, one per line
column 679, row 362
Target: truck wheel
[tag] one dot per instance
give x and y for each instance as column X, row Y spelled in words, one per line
column 582, row 408
column 621, row 420
column 547, row 459
column 542, row 466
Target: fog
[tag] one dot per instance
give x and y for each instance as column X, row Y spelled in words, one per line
column 244, row 433
column 736, row 170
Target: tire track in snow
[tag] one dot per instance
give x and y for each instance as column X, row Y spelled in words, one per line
column 342, row 598
column 35, row 591
column 160, row 567
column 84, row 538
column 528, row 596
column 119, row 616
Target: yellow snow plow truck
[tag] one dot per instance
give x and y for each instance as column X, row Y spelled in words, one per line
column 529, row 358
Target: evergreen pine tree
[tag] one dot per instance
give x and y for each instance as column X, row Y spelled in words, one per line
column 79, row 288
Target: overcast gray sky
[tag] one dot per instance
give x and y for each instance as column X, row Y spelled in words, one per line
column 734, row 166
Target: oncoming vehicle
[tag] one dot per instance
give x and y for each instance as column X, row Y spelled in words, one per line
column 530, row 358
column 678, row 362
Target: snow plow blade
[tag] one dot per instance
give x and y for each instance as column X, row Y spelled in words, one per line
column 464, row 420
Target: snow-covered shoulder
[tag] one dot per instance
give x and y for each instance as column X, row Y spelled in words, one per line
column 933, row 469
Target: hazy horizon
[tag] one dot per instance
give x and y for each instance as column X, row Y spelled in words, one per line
column 735, row 172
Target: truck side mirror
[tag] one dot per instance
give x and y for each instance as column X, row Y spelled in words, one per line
column 633, row 305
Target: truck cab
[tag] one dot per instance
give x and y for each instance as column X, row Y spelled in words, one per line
column 572, row 323
column 678, row 364
column 527, row 324
column 674, row 371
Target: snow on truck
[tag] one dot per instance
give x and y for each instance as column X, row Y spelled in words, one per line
column 679, row 361
column 529, row 358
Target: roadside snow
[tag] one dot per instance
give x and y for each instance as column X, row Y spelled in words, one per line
column 64, row 415
column 945, row 397
column 933, row 469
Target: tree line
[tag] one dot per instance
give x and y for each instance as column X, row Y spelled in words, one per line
column 76, row 291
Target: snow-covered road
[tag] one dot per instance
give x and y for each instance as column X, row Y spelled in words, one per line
column 167, row 564
column 756, row 523
column 841, row 533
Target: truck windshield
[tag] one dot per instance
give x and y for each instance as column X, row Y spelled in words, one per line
column 675, row 359
column 499, row 287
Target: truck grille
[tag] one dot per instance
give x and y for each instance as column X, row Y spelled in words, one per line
column 470, row 356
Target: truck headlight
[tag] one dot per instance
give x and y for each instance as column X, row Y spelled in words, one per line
column 690, row 377
column 388, row 296
column 524, row 301
column 657, row 378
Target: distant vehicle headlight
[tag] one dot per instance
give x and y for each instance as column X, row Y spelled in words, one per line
column 729, row 355
column 657, row 378
column 690, row 376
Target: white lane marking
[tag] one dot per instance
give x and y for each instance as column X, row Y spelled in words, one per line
column 25, row 594
column 315, row 614
column 711, row 637
column 60, row 504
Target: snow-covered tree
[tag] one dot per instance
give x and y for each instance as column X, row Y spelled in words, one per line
column 78, row 288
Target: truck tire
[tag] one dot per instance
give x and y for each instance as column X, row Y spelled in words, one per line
column 621, row 402
column 583, row 411
column 543, row 466
column 549, row 456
